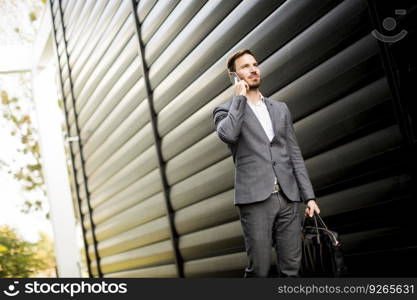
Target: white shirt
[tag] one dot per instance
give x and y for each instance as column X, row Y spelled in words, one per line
column 263, row 116
column 262, row 113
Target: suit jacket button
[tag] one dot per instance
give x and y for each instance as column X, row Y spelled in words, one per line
column 274, row 163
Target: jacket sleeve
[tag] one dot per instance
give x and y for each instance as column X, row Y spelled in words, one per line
column 300, row 170
column 228, row 122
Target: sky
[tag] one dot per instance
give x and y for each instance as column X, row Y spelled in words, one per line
column 11, row 198
column 17, row 29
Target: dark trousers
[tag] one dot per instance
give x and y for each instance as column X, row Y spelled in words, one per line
column 274, row 222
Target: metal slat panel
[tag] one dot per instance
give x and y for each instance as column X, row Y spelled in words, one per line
column 218, row 240
column 107, row 72
column 125, row 129
column 144, row 8
column 116, row 153
column 356, row 240
column 61, row 50
column 77, row 29
column 66, row 102
column 108, row 210
column 197, row 126
column 113, row 241
column 78, row 20
column 104, row 55
column 65, row 73
column 120, row 46
column 125, row 155
column 139, row 237
column 218, row 266
column 203, row 22
column 69, row 9
column 195, row 158
column 156, row 254
column 215, row 78
column 137, row 137
column 130, row 101
column 67, row 88
column 55, row 6
column 365, row 195
column 213, row 180
column 63, row 61
column 73, row 11
column 132, row 217
column 346, row 119
column 84, row 36
column 347, row 70
column 103, row 33
column 142, row 189
column 58, row 28
column 64, row 4
column 343, row 25
column 73, row 133
column 136, row 169
column 366, row 154
column 120, row 88
column 210, row 212
column 167, row 271
column 236, row 25
column 155, row 18
column 180, row 16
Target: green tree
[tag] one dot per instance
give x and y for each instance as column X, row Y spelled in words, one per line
column 18, row 112
column 18, row 258
column 28, row 174
column 45, row 252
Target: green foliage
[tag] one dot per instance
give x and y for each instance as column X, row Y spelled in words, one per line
column 32, row 16
column 19, row 258
column 29, row 174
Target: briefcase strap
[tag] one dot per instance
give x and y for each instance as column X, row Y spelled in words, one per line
column 317, row 219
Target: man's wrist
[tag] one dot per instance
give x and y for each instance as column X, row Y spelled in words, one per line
column 314, row 199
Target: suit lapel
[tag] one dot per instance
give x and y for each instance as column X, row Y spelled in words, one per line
column 273, row 115
column 253, row 119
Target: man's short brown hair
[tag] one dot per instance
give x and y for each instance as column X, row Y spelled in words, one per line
column 232, row 58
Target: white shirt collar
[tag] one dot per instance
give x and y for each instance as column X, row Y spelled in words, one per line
column 259, row 103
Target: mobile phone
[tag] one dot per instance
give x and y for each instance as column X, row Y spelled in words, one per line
column 234, row 77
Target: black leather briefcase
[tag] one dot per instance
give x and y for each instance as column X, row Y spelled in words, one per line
column 322, row 254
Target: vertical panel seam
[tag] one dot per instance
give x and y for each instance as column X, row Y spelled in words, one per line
column 74, row 170
column 87, row 193
column 161, row 163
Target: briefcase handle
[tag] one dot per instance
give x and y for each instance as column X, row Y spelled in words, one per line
column 317, row 219
column 320, row 219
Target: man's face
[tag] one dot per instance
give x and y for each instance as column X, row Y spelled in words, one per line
column 247, row 68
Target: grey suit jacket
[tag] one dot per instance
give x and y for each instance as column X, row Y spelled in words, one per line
column 257, row 160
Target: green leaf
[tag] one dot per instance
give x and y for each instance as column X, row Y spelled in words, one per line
column 32, row 16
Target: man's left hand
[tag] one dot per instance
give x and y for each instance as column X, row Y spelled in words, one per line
column 311, row 208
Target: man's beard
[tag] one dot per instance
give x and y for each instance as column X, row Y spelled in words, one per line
column 254, row 86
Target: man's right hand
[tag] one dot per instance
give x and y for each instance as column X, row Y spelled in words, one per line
column 241, row 87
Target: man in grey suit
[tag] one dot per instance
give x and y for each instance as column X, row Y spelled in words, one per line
column 271, row 179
